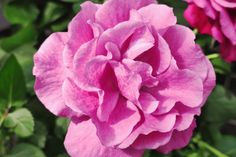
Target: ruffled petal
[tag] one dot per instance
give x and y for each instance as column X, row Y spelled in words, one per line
column 178, row 140
column 128, row 81
column 82, row 141
column 50, row 74
column 113, row 12
column 79, row 30
column 120, row 125
column 159, row 16
column 78, row 99
column 182, row 85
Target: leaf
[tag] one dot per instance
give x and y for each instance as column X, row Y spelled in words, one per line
column 24, row 55
column 39, row 137
column 61, row 127
column 21, row 121
column 12, row 83
column 220, row 107
column 53, row 11
column 20, row 12
column 62, row 155
column 221, row 66
column 24, row 35
column 146, row 153
column 227, row 145
column 25, row 150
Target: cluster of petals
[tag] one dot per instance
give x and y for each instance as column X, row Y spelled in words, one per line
column 127, row 76
column 218, row 19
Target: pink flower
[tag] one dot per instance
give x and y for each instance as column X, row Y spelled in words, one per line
column 218, row 19
column 127, row 75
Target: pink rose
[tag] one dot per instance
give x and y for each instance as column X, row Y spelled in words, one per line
column 216, row 18
column 127, row 75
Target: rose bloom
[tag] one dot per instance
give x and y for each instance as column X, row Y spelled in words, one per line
column 218, row 19
column 127, row 76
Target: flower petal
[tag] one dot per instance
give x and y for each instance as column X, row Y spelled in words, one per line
column 120, row 125
column 159, row 16
column 113, row 12
column 178, row 140
column 184, row 86
column 79, row 100
column 50, row 74
column 82, row 141
column 79, row 30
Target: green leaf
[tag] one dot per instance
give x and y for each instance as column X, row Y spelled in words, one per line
column 53, row 11
column 220, row 107
column 62, row 155
column 39, row 137
column 221, row 66
column 21, row 121
column 147, row 153
column 24, row 35
column 61, row 127
column 12, row 84
column 227, row 145
column 20, row 12
column 26, row 150
column 72, row 1
column 24, row 55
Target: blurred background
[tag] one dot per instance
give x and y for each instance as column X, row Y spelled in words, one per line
column 27, row 129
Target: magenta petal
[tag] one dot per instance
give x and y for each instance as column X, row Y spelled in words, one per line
column 228, row 51
column 152, row 140
column 129, row 82
column 117, row 35
column 162, row 124
column 81, row 58
column 159, row 57
column 182, row 45
column 79, row 30
column 120, row 125
column 226, row 3
column 113, row 12
column 159, row 16
column 50, row 74
column 148, row 103
column 141, row 41
column 79, row 100
column 227, row 22
column 82, row 141
column 143, row 69
column 178, row 140
column 184, row 86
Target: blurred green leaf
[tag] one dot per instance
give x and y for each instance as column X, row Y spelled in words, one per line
column 61, row 25
column 52, row 12
column 40, row 135
column 12, row 84
column 61, row 127
column 72, row 1
column 221, row 66
column 62, row 155
column 20, row 12
column 24, row 35
column 220, row 107
column 21, row 121
column 227, row 144
column 26, row 150
column 24, row 55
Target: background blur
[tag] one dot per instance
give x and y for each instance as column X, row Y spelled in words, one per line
column 27, row 129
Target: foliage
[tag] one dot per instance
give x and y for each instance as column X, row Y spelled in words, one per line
column 28, row 129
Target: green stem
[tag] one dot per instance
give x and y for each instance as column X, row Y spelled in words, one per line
column 213, row 56
column 3, row 117
column 211, row 149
